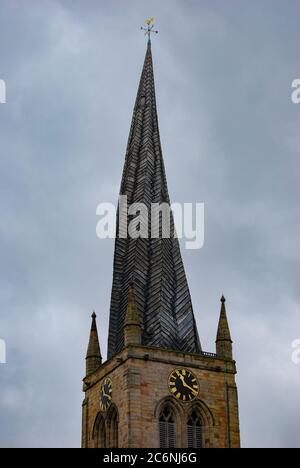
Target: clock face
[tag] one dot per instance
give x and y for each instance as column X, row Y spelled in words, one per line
column 105, row 394
column 183, row 385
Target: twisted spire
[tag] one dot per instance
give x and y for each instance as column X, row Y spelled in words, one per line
column 161, row 291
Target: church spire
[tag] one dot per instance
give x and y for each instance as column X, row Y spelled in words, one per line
column 161, row 290
column 223, row 341
column 93, row 355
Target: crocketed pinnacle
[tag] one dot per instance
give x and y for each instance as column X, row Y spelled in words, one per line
column 93, row 355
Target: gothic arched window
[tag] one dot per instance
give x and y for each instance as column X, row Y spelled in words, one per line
column 100, row 432
column 167, row 428
column 112, row 428
column 194, row 431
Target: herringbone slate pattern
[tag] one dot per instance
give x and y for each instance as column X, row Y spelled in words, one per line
column 154, row 264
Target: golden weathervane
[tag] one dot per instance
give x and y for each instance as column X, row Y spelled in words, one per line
column 149, row 29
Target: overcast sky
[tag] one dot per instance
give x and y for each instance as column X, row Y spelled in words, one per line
column 230, row 137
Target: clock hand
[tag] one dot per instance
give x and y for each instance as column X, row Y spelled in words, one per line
column 182, row 379
column 192, row 390
column 186, row 385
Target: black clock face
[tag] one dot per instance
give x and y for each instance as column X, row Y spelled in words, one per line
column 105, row 394
column 183, row 385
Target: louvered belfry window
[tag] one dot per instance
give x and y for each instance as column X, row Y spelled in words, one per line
column 194, row 431
column 167, row 437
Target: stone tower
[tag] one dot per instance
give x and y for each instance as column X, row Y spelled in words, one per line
column 157, row 387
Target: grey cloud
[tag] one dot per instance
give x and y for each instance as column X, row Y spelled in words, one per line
column 229, row 134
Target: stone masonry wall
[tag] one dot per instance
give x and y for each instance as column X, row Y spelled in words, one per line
column 140, row 385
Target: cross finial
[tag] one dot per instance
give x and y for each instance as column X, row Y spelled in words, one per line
column 149, row 29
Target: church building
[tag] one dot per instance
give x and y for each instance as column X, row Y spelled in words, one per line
column 157, row 388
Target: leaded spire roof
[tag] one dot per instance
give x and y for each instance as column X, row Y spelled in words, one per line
column 153, row 264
